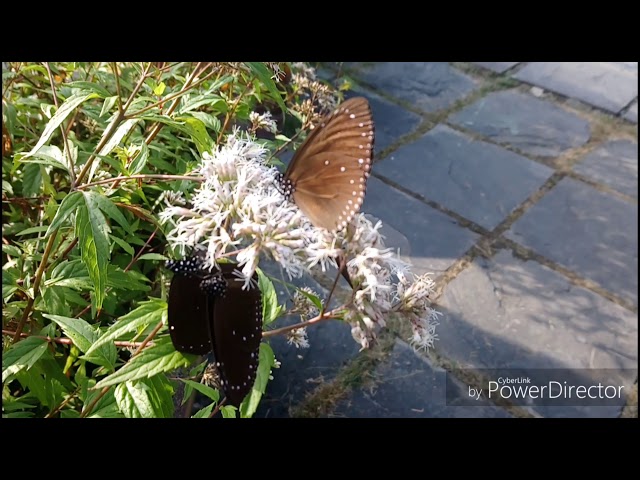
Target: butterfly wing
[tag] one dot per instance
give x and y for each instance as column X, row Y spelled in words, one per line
column 188, row 315
column 236, row 333
column 330, row 170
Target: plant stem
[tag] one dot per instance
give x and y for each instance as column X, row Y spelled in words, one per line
column 36, row 285
column 68, row 341
column 114, row 67
column 143, row 177
column 278, row 331
column 104, row 391
column 230, row 113
column 174, row 105
column 72, row 172
column 112, row 128
column 172, row 96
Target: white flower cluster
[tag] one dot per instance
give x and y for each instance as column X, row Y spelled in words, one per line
column 238, row 210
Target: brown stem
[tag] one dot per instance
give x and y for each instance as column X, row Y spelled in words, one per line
column 72, row 172
column 134, row 259
column 171, row 97
column 68, row 341
column 62, row 405
column 156, row 129
column 278, row 331
column 104, row 391
column 67, row 250
column 116, row 75
column 189, row 407
column 141, row 176
column 230, row 113
column 36, row 285
column 335, row 282
column 218, row 407
column 112, row 128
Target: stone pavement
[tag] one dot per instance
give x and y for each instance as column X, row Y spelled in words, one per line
column 516, row 185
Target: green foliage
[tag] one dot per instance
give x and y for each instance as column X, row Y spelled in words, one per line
column 83, row 255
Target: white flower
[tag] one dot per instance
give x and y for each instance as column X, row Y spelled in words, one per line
column 298, row 337
column 264, row 121
column 237, row 210
column 424, row 329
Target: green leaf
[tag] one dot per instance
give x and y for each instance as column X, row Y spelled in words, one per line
column 209, row 120
column 149, row 312
column 18, row 415
column 133, row 400
column 84, row 336
column 270, row 307
column 48, row 155
column 48, row 391
column 68, row 206
column 264, row 75
column 130, row 280
column 63, row 112
column 212, row 393
column 266, row 362
column 313, row 298
column 11, row 405
column 204, row 412
column 93, row 237
column 95, row 199
column 162, row 395
column 188, row 125
column 30, row 230
column 31, row 180
column 107, row 407
column 198, row 132
column 140, row 161
column 108, row 104
column 215, row 102
column 7, row 187
column 117, row 137
column 54, row 300
column 11, row 250
column 92, row 87
column 162, row 357
column 22, row 355
column 159, row 90
column 78, row 330
column 124, row 245
column 71, row 274
column 152, row 256
column 228, row 411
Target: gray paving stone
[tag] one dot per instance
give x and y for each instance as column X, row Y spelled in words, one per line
column 331, row 346
column 480, row 181
column 632, row 113
column 498, row 67
column 533, row 126
column 592, row 233
column 615, row 164
column 505, row 313
column 411, row 387
column 430, row 86
column 391, row 121
column 435, row 240
column 608, row 85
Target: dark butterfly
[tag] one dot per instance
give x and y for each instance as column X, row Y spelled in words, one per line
column 327, row 176
column 209, row 311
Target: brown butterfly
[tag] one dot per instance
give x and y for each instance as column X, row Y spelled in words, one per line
column 327, row 177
